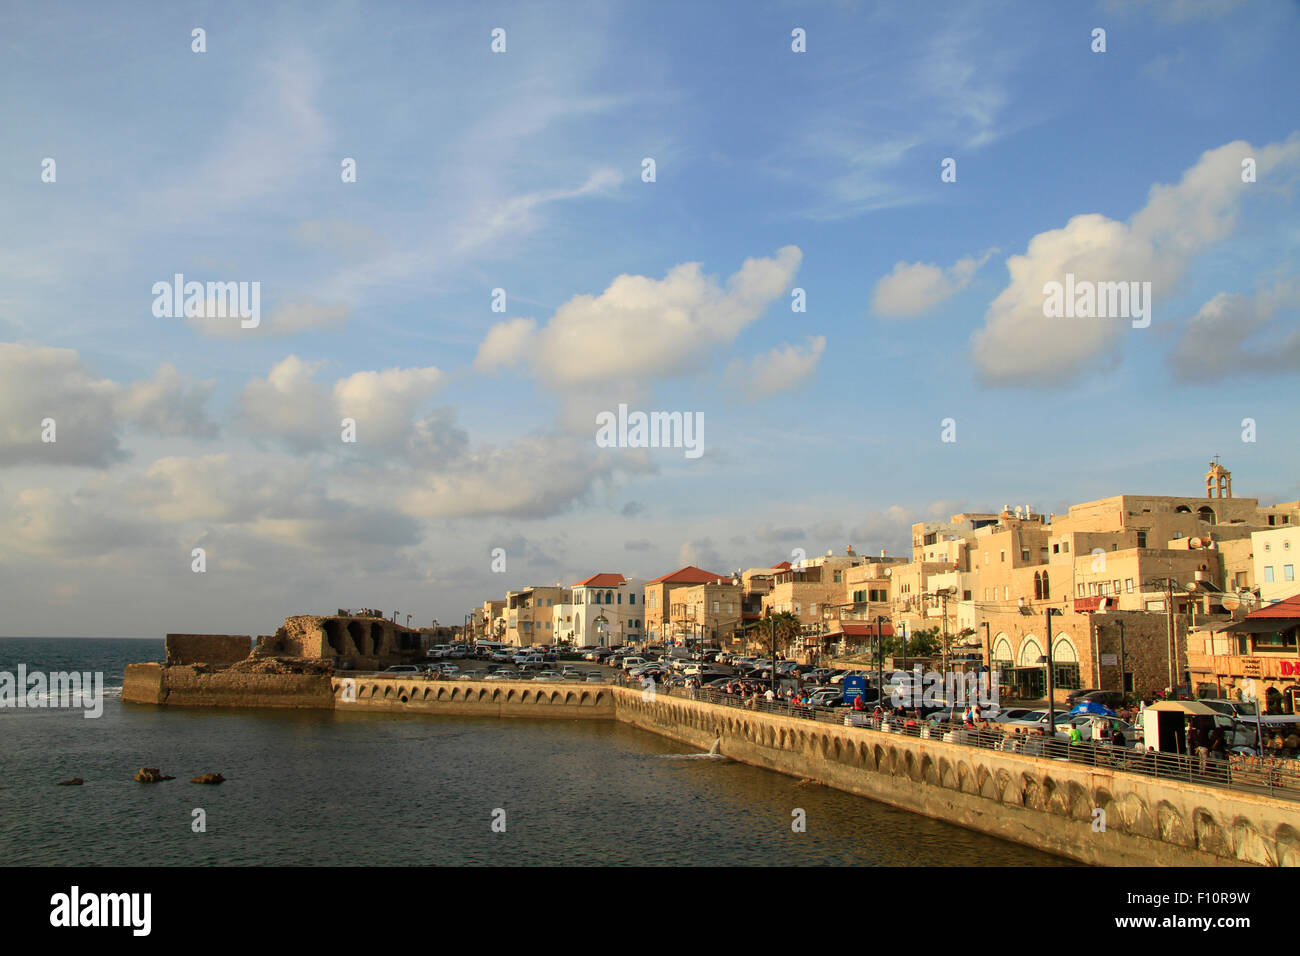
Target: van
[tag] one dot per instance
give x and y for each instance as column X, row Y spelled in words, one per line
column 529, row 657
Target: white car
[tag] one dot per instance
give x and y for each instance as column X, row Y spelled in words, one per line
column 631, row 662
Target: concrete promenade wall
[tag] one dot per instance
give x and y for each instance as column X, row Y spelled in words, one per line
column 473, row 698
column 1046, row 804
column 184, row 686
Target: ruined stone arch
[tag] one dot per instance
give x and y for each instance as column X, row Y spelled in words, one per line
column 1080, row 803
column 929, row 772
column 1287, row 841
column 912, row 766
column 360, row 638
column 1210, row 837
column 1172, row 827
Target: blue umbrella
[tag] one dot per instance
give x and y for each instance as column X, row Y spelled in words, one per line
column 1091, row 708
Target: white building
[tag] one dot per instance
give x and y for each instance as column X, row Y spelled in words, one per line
column 1275, row 556
column 608, row 609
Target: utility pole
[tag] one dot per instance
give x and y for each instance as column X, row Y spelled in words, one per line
column 1051, row 682
column 1123, row 680
column 880, row 663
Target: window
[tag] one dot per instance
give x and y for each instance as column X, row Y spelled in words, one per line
column 839, row 577
column 1006, row 593
column 1288, row 572
column 1004, row 557
column 1066, row 547
column 1056, row 549
column 1024, row 554
column 1116, row 583
column 1268, row 574
column 1128, row 585
column 1080, row 590
column 631, row 599
column 1267, row 546
column 1105, row 588
column 715, row 607
column 986, row 557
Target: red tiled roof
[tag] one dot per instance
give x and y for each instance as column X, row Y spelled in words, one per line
column 1287, row 608
column 602, row 581
column 783, row 566
column 690, row 575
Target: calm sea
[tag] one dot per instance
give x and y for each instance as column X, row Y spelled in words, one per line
column 358, row 789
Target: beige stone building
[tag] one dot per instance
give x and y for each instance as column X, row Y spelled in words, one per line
column 706, row 613
column 530, row 614
column 659, row 599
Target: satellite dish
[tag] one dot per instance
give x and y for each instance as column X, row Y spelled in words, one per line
column 1231, row 602
column 1195, row 543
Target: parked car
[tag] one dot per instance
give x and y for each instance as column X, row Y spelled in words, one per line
column 1074, row 696
column 548, row 676
column 502, row 673
column 828, row 697
column 595, row 678
column 1231, row 708
column 409, row 669
column 1107, row 698
column 630, row 662
column 1012, row 713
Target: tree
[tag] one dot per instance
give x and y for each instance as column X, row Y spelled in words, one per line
column 775, row 633
column 921, row 643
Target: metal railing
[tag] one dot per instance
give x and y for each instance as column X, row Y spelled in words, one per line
column 1274, row 776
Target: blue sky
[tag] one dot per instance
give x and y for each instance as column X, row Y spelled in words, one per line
column 522, row 170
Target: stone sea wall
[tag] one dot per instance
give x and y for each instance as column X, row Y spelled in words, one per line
column 1046, row 804
column 195, row 686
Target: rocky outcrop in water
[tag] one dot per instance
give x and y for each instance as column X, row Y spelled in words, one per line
column 74, row 782
column 150, row 775
column 209, row 778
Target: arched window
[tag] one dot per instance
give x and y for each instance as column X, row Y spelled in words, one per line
column 1038, row 586
column 1047, row 591
column 1063, row 651
column 609, row 597
column 1030, row 651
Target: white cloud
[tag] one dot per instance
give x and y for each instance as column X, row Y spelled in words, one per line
column 1240, row 335
column 1019, row 346
column 291, row 406
column 506, row 344
column 640, row 328
column 37, row 382
column 535, row 476
column 782, row 369
column 170, row 404
column 917, row 287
